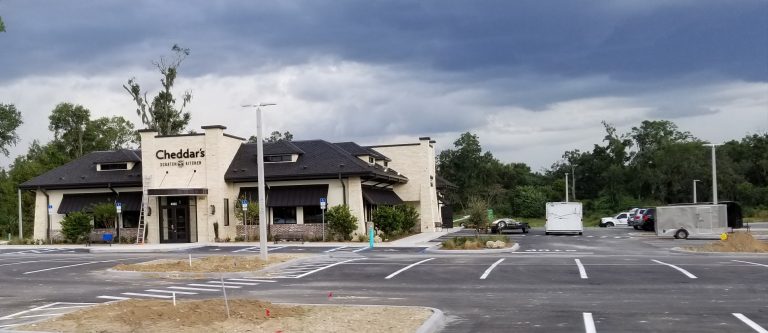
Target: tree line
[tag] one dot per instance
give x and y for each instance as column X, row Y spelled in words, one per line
column 654, row 163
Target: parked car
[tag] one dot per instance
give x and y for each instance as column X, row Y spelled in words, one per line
column 619, row 219
column 648, row 220
column 500, row 225
column 635, row 219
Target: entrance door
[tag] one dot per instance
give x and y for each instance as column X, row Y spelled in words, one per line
column 174, row 220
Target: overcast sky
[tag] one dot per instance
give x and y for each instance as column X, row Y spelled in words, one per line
column 531, row 78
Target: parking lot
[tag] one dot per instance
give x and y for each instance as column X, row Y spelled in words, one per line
column 607, row 280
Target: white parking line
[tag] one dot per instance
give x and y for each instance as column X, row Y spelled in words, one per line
column 67, row 266
column 170, row 292
column 361, row 249
column 687, row 273
column 488, row 271
column 146, row 295
column 334, row 250
column 190, row 288
column 236, row 283
column 589, row 323
column 406, row 268
column 582, row 271
column 117, row 298
column 211, row 285
column 751, row 263
column 252, row 280
column 750, row 323
column 326, row 267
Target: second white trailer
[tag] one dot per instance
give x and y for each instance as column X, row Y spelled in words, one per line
column 705, row 221
column 564, row 217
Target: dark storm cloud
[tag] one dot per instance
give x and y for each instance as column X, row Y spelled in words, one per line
column 637, row 41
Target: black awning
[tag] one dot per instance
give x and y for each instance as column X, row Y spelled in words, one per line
column 294, row 196
column 160, row 192
column 381, row 197
column 130, row 201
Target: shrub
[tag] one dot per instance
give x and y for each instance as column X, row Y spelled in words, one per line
column 252, row 214
column 478, row 214
column 408, row 216
column 341, row 222
column 76, row 226
column 104, row 215
column 386, row 219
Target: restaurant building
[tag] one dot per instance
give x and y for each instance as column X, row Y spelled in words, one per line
column 190, row 185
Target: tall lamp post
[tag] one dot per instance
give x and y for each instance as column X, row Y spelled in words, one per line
column 714, row 172
column 262, row 187
column 694, row 190
column 573, row 179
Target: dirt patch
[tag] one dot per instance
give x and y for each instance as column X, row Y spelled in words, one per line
column 209, row 264
column 477, row 243
column 245, row 316
column 736, row 242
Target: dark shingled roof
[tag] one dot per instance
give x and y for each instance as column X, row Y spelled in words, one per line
column 320, row 159
column 358, row 150
column 81, row 173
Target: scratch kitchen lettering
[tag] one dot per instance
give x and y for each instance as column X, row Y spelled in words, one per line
column 163, row 154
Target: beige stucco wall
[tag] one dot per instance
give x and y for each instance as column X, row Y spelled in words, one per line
column 417, row 162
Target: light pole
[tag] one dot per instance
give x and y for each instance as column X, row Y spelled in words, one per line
column 714, row 172
column 573, row 179
column 262, row 187
column 694, row 190
column 566, row 186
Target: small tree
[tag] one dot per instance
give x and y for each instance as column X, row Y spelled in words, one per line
column 478, row 213
column 386, row 219
column 104, row 215
column 341, row 222
column 252, row 213
column 76, row 226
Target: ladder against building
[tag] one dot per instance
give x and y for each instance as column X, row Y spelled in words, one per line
column 142, row 222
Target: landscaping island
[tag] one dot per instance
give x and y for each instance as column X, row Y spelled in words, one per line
column 741, row 242
column 209, row 264
column 245, row 316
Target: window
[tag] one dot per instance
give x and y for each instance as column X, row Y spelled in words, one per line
column 131, row 219
column 622, row 216
column 284, row 215
column 313, row 214
column 371, row 160
column 226, row 212
column 278, row 158
column 113, row 166
column 386, row 164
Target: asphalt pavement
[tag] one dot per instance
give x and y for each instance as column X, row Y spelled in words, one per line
column 606, row 280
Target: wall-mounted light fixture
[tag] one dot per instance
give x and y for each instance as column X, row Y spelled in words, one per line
column 213, row 209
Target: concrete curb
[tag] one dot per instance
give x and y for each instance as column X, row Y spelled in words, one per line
column 436, row 249
column 751, row 254
column 434, row 323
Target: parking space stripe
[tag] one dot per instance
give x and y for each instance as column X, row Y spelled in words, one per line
column 326, row 267
column 750, row 323
column 582, row 271
column 252, row 280
column 146, row 295
column 360, row 249
column 170, row 292
column 236, row 283
column 751, row 263
column 488, row 271
column 212, row 285
column 406, row 268
column 687, row 273
column 334, row 250
column 61, row 267
column 190, row 288
column 589, row 323
column 117, row 298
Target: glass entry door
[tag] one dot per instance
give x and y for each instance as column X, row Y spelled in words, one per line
column 175, row 219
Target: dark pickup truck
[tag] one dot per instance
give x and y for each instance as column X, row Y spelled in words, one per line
column 500, row 225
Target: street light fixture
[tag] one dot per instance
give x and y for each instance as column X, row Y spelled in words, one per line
column 714, row 172
column 694, row 190
column 262, row 187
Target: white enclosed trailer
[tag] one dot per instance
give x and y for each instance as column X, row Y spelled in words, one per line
column 691, row 221
column 564, row 217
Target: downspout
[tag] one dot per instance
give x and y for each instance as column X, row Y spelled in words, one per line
column 119, row 219
column 343, row 189
column 48, row 216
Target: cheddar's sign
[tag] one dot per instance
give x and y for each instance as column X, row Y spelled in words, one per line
column 179, row 156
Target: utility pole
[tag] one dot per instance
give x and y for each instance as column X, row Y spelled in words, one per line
column 566, row 187
column 714, row 172
column 262, row 186
column 695, row 200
